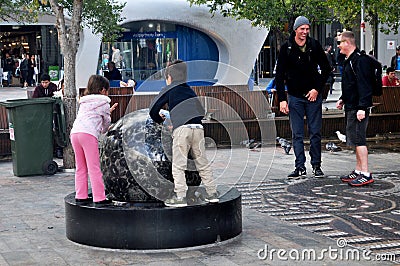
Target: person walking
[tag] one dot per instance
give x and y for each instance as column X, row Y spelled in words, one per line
column 186, row 113
column 357, row 80
column 302, row 65
column 116, row 56
column 8, row 66
column 31, row 70
column 331, row 77
column 93, row 119
column 24, row 68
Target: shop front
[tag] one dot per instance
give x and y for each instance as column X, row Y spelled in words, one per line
column 147, row 47
column 39, row 41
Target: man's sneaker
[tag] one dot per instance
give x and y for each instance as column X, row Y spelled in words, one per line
column 350, row 177
column 213, row 198
column 176, row 201
column 361, row 180
column 299, row 171
column 317, row 172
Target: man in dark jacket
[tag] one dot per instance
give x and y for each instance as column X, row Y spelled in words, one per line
column 358, row 77
column 23, row 67
column 8, row 66
column 113, row 73
column 302, row 65
column 46, row 88
column 186, row 113
column 394, row 62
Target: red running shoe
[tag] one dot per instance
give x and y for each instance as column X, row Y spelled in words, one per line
column 361, row 180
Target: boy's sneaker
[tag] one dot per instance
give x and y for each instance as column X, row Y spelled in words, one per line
column 299, row 171
column 317, row 172
column 361, row 180
column 213, row 198
column 176, row 201
column 350, row 177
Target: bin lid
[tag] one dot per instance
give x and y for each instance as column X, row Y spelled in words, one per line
column 20, row 102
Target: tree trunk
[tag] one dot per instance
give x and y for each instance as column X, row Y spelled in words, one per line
column 69, row 158
column 69, row 43
column 70, row 105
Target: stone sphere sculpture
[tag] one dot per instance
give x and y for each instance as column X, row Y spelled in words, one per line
column 135, row 157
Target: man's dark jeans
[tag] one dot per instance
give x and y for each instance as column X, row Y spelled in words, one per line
column 298, row 107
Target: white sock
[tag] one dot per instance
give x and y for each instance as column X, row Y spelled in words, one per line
column 366, row 174
column 357, row 172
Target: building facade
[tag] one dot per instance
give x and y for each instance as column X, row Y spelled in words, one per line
column 158, row 33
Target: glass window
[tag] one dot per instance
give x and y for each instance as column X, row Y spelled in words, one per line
column 142, row 52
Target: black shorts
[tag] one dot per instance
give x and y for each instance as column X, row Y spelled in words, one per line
column 356, row 131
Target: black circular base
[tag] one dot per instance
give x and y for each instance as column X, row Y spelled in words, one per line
column 153, row 226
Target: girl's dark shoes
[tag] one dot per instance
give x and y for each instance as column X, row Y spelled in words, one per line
column 102, row 203
column 83, row 201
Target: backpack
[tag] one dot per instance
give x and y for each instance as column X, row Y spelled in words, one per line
column 377, row 66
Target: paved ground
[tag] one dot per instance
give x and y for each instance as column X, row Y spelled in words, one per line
column 294, row 216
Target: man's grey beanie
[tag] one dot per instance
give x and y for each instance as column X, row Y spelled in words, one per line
column 300, row 20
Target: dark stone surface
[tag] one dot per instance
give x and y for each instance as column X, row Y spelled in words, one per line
column 153, row 226
column 136, row 160
column 136, row 165
column 366, row 217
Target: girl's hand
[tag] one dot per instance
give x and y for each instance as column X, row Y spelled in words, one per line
column 113, row 107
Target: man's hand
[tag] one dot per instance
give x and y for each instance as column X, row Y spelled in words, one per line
column 339, row 104
column 283, row 107
column 312, row 95
column 113, row 107
column 360, row 115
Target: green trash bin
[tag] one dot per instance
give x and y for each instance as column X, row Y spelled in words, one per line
column 31, row 134
column 60, row 126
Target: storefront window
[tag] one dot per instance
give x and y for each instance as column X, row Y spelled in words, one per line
column 147, row 47
column 144, row 55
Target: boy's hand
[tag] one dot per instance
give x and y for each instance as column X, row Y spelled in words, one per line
column 163, row 116
column 113, row 107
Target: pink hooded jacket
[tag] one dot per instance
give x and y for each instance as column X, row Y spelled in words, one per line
column 93, row 116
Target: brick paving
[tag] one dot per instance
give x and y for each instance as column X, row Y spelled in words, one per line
column 32, row 225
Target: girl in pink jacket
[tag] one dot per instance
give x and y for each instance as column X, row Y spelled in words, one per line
column 93, row 119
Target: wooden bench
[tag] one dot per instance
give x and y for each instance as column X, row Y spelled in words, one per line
column 389, row 102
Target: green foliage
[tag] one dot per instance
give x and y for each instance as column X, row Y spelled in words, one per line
column 103, row 16
column 270, row 13
column 274, row 14
column 19, row 10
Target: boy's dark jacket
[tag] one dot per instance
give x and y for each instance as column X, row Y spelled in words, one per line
column 183, row 104
column 357, row 84
column 299, row 70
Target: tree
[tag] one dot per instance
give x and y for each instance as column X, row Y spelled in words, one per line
column 381, row 15
column 385, row 13
column 278, row 16
column 19, row 10
column 103, row 17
